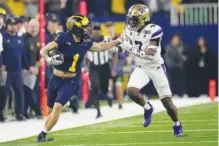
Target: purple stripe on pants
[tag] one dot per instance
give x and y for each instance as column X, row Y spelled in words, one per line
column 164, row 68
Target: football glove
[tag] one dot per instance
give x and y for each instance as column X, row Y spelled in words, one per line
column 55, row 60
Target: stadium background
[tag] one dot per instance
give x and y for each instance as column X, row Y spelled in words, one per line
column 191, row 19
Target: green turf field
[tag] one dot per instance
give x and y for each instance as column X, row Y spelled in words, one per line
column 200, row 129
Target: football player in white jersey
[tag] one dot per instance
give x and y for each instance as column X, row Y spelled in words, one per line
column 142, row 39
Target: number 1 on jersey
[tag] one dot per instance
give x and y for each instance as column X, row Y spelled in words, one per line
column 74, row 63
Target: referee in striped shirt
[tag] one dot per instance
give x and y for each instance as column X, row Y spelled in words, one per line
column 100, row 72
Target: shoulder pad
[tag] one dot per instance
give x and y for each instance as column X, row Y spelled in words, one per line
column 155, row 30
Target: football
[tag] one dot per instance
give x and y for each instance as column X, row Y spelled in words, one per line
column 56, row 52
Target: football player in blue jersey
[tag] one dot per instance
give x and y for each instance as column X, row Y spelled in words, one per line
column 72, row 46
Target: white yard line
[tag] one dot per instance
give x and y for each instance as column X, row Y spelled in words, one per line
column 153, row 143
column 94, row 139
column 143, row 143
column 16, row 130
column 130, row 132
column 153, row 124
column 103, row 127
column 167, row 121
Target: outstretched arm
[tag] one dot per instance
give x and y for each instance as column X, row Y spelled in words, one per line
column 147, row 53
column 102, row 46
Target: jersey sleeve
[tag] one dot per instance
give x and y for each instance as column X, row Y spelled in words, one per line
column 60, row 38
column 89, row 44
column 156, row 31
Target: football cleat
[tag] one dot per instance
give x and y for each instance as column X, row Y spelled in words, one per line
column 147, row 116
column 178, row 130
column 42, row 137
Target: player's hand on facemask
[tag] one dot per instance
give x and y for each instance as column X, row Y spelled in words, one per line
column 54, row 60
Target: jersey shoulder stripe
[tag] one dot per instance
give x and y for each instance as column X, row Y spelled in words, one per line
column 158, row 33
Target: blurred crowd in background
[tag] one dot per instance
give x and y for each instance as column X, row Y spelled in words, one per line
column 108, row 7
column 190, row 67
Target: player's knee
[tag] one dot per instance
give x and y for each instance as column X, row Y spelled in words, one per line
column 132, row 92
column 167, row 103
column 57, row 108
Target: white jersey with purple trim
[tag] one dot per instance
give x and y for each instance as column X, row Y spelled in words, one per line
column 141, row 40
column 146, row 69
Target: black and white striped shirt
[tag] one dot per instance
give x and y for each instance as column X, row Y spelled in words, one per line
column 99, row 58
